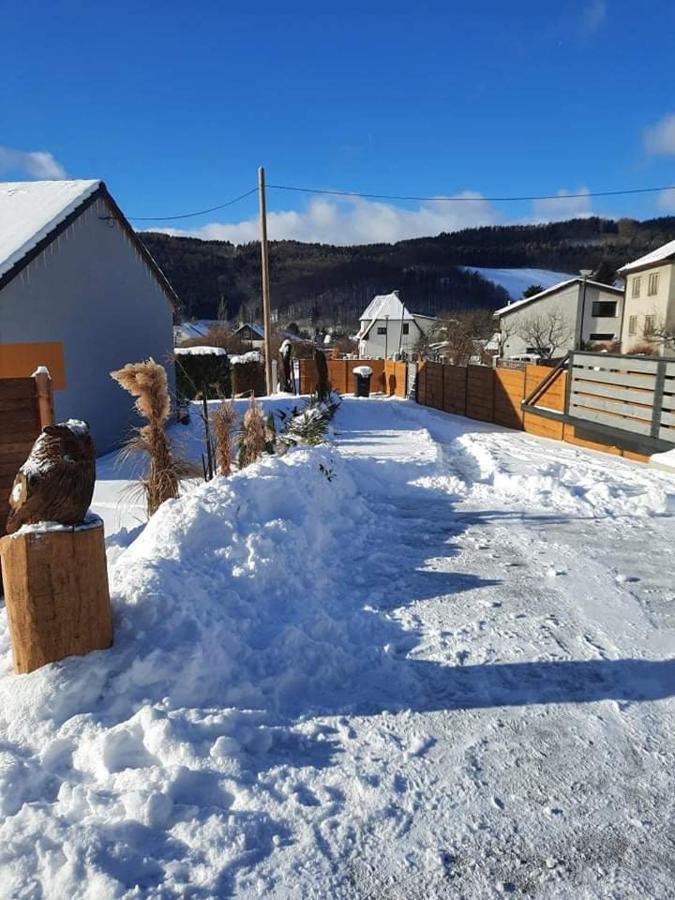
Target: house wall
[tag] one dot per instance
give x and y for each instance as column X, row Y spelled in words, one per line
column 598, row 325
column 377, row 346
column 92, row 292
column 566, row 301
column 569, row 302
column 660, row 305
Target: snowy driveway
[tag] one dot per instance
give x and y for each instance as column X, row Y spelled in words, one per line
column 434, row 660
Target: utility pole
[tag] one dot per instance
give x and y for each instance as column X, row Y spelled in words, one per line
column 264, row 260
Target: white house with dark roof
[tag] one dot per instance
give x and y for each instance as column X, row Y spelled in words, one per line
column 388, row 328
column 650, row 299
column 575, row 313
column 80, row 294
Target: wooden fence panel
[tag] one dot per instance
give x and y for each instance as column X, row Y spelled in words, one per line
column 454, row 389
column 25, row 407
column 553, row 398
column 421, row 392
column 396, row 378
column 509, row 388
column 480, row 393
column 434, row 385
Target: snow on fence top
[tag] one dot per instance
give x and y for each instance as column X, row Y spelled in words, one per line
column 201, row 351
column 253, row 356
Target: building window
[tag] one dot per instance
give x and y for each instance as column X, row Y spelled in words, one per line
column 649, row 325
column 381, row 329
column 406, row 329
column 653, row 285
column 601, row 336
column 632, row 325
column 604, row 309
column 636, row 287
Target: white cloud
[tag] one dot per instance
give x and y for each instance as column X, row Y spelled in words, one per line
column 666, row 201
column 566, row 207
column 35, row 164
column 354, row 220
column 660, row 137
column 593, row 16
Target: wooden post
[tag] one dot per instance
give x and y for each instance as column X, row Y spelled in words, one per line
column 264, row 260
column 45, row 397
column 56, row 593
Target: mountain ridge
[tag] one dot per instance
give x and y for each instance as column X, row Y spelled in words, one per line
column 331, row 284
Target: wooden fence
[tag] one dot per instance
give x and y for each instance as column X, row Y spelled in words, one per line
column 625, row 393
column 388, row 377
column 26, row 406
column 495, row 395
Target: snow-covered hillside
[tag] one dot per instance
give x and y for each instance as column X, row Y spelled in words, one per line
column 515, row 281
column 433, row 659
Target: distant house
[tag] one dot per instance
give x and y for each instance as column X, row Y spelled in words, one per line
column 571, row 314
column 650, row 299
column 388, row 328
column 80, row 294
column 199, row 328
column 252, row 334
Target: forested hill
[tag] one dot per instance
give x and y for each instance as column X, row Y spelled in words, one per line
column 334, row 284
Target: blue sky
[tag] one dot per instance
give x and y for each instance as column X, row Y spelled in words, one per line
column 175, row 105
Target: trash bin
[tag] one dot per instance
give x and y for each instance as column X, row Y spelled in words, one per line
column 362, row 376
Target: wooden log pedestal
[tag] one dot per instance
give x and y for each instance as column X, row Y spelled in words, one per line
column 56, row 592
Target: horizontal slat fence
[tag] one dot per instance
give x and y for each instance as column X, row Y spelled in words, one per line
column 25, row 407
column 495, row 395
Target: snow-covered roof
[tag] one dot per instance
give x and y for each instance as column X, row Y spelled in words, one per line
column 552, row 290
column 30, row 210
column 255, row 328
column 661, row 254
column 386, row 306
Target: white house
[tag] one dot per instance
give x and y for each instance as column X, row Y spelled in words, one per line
column 80, row 294
column 649, row 306
column 388, row 328
column 574, row 313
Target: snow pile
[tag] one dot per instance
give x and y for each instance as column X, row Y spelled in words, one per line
column 200, row 351
column 364, row 371
column 253, row 356
column 226, row 603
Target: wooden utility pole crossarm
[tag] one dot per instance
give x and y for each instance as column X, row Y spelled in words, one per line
column 264, row 259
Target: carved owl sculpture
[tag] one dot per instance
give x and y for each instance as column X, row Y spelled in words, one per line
column 56, row 483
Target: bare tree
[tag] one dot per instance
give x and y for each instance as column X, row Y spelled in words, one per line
column 659, row 333
column 462, row 335
column 548, row 332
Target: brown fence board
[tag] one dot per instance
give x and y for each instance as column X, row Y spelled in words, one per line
column 434, row 385
column 21, row 424
column 454, row 389
column 480, row 393
column 509, row 390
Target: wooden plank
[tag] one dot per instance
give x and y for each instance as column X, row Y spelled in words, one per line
column 603, row 418
column 670, row 370
column 577, row 436
column 586, row 401
column 667, row 418
column 636, row 380
column 17, row 388
column 615, row 392
column 542, row 427
column 614, row 363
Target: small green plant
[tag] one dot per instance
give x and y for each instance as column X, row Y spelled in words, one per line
column 308, row 424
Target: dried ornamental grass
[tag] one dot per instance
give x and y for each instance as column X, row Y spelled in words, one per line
column 252, row 435
column 222, row 422
column 147, row 382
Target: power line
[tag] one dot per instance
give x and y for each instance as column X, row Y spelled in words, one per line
column 443, row 199
column 191, row 215
column 479, row 199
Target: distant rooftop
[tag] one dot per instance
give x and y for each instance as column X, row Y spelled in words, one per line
column 386, row 306
column 661, row 254
column 554, row 289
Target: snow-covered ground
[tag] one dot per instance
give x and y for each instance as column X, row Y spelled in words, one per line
column 432, row 659
column 515, row 281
